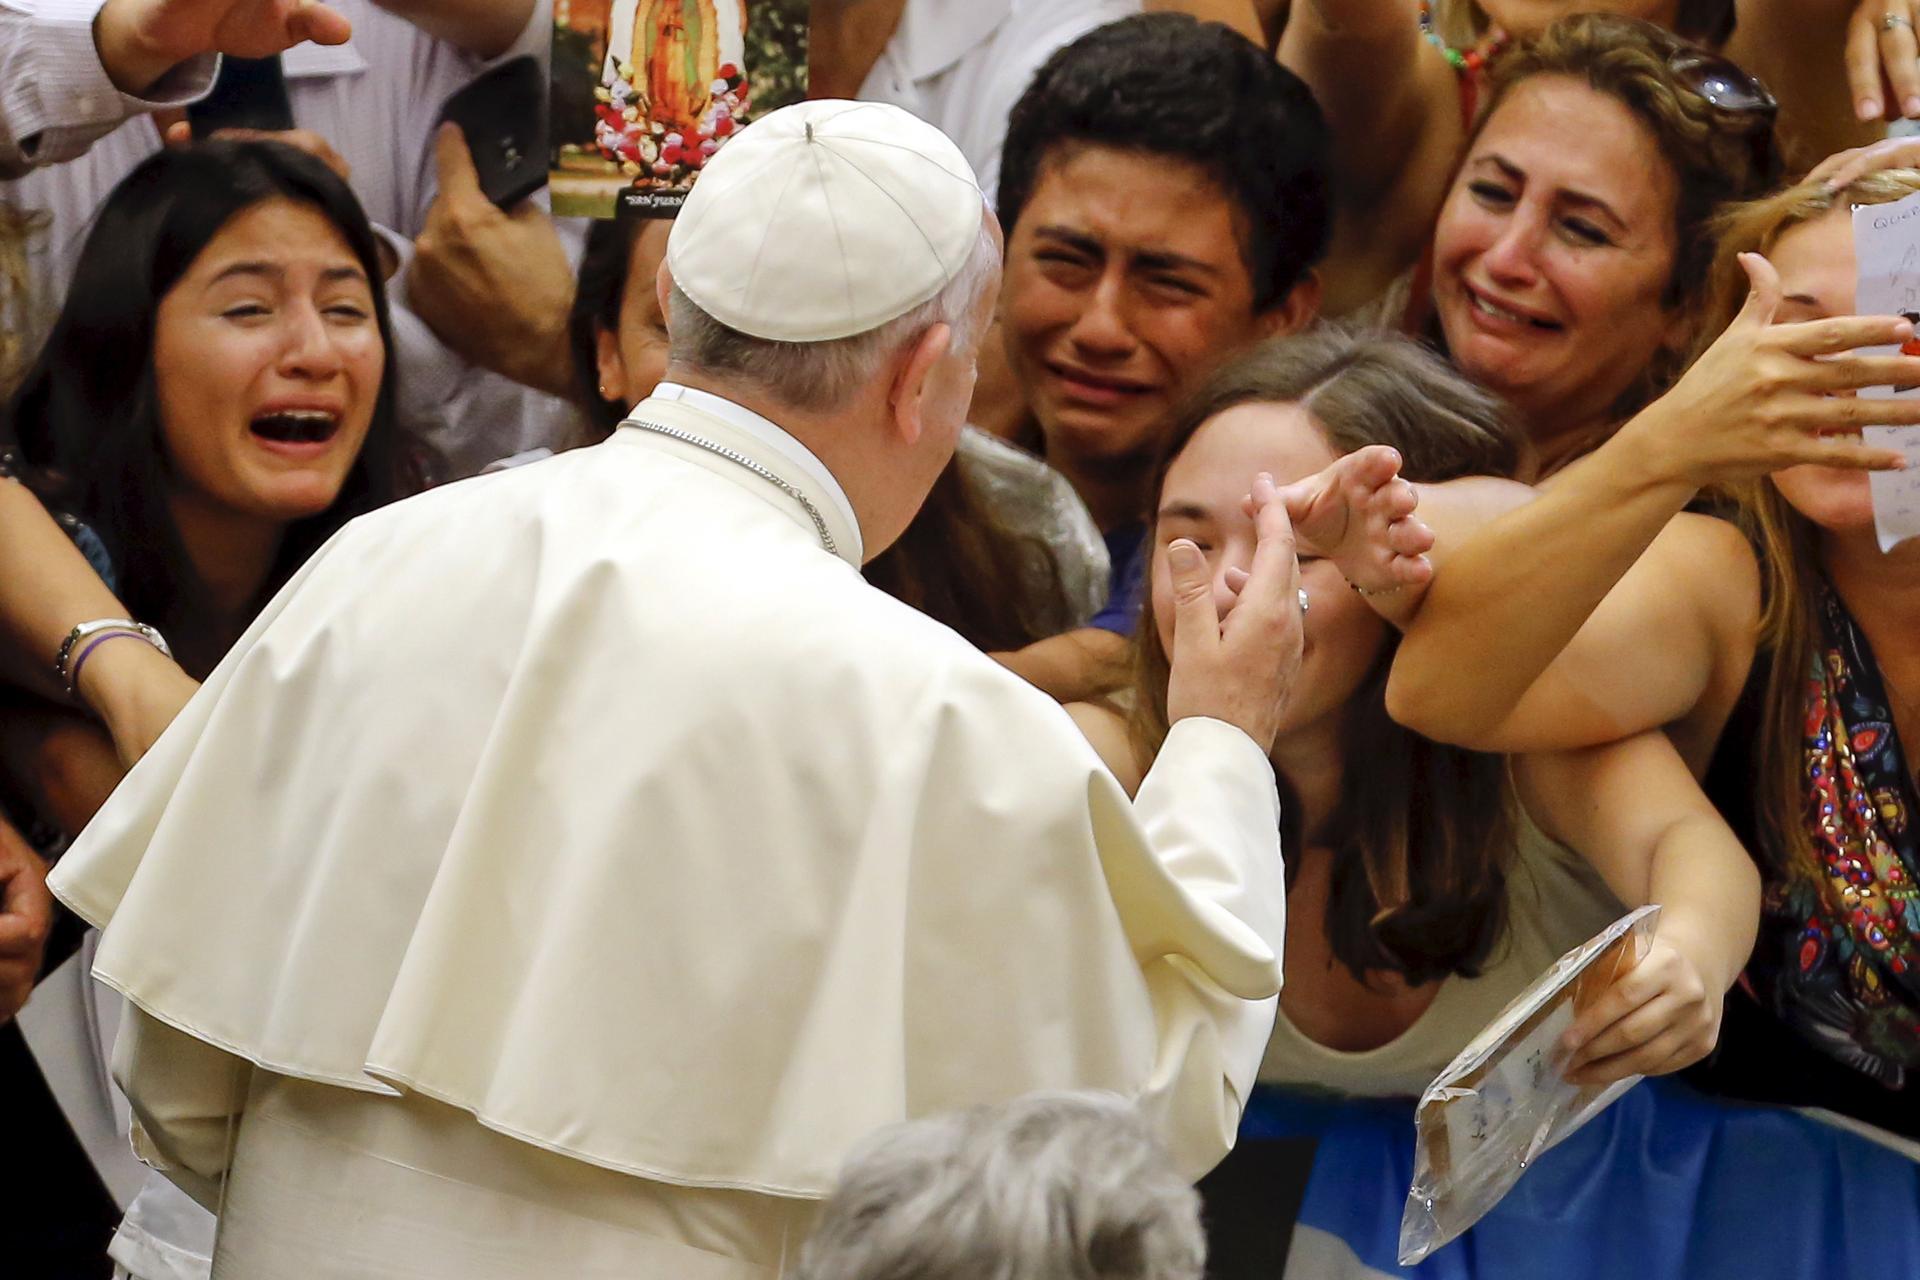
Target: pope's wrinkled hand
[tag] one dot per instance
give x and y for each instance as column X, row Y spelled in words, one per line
column 1239, row 668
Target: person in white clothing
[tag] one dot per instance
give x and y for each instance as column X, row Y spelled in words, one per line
column 570, row 895
column 72, row 71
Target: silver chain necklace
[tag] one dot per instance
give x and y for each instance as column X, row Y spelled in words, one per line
column 741, row 459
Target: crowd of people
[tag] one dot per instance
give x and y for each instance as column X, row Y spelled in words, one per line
column 1457, row 399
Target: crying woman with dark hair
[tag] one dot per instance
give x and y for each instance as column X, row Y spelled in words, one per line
column 215, row 400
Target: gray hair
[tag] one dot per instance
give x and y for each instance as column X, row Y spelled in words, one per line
column 824, row 375
column 1051, row 1186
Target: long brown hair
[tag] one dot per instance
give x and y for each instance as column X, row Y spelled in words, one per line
column 1787, row 542
column 960, row 563
column 1424, row 831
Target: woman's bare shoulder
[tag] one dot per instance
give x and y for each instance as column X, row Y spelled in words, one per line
column 1105, row 727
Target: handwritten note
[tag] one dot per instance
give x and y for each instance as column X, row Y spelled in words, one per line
column 1886, row 242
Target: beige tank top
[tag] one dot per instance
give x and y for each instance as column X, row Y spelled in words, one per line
column 1555, row 902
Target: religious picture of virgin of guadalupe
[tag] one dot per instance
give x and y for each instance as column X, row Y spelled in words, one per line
column 645, row 91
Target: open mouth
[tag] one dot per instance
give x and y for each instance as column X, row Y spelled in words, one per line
column 1494, row 310
column 297, row 426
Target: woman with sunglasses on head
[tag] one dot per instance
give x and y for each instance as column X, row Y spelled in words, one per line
column 1778, row 660
column 214, row 402
column 1404, row 82
column 1565, row 277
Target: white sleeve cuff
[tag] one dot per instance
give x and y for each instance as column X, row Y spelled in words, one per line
column 73, row 80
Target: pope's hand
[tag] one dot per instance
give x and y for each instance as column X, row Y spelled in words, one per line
column 26, row 915
column 141, row 40
column 1239, row 668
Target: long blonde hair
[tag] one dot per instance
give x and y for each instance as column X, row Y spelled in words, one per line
column 1787, row 542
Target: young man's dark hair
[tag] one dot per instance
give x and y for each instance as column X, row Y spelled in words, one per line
column 1166, row 83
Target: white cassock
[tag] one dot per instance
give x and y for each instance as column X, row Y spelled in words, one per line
column 572, row 863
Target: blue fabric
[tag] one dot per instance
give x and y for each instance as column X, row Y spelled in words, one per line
column 1126, row 553
column 1666, row 1183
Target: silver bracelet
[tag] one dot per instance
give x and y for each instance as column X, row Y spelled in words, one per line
column 62, row 661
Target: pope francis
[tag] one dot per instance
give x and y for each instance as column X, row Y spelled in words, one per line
column 571, row 864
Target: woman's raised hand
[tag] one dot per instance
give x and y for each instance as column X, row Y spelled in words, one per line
column 1659, row 1016
column 1358, row 513
column 1767, row 396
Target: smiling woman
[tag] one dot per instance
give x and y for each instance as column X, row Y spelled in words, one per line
column 1568, row 278
column 214, row 400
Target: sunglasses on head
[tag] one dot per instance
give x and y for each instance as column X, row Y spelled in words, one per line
column 1723, row 83
column 1728, row 87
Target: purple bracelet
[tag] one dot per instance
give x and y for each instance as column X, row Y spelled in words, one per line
column 95, row 643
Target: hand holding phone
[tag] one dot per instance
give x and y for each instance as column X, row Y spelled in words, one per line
column 503, row 115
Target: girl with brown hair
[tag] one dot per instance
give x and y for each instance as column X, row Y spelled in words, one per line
column 1423, row 893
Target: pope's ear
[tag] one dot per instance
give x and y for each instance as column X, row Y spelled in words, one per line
column 663, row 290
column 908, row 398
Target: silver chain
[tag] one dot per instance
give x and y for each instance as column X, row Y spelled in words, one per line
column 741, row 459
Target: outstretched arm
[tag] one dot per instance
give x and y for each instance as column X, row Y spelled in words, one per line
column 71, row 73
column 1815, row 55
column 1507, row 603
column 141, row 40
column 1636, row 813
column 1362, row 59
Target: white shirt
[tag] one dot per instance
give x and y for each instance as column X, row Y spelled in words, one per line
column 769, row 433
column 962, row 66
column 55, row 97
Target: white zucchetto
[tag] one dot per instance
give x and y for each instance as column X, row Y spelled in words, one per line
column 826, row 219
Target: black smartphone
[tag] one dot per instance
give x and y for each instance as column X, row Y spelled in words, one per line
column 249, row 93
column 503, row 114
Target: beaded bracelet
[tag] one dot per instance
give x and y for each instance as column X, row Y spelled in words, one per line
column 1366, row 594
column 1469, row 60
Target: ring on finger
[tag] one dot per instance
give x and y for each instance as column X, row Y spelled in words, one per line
column 1893, row 21
column 1303, row 602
